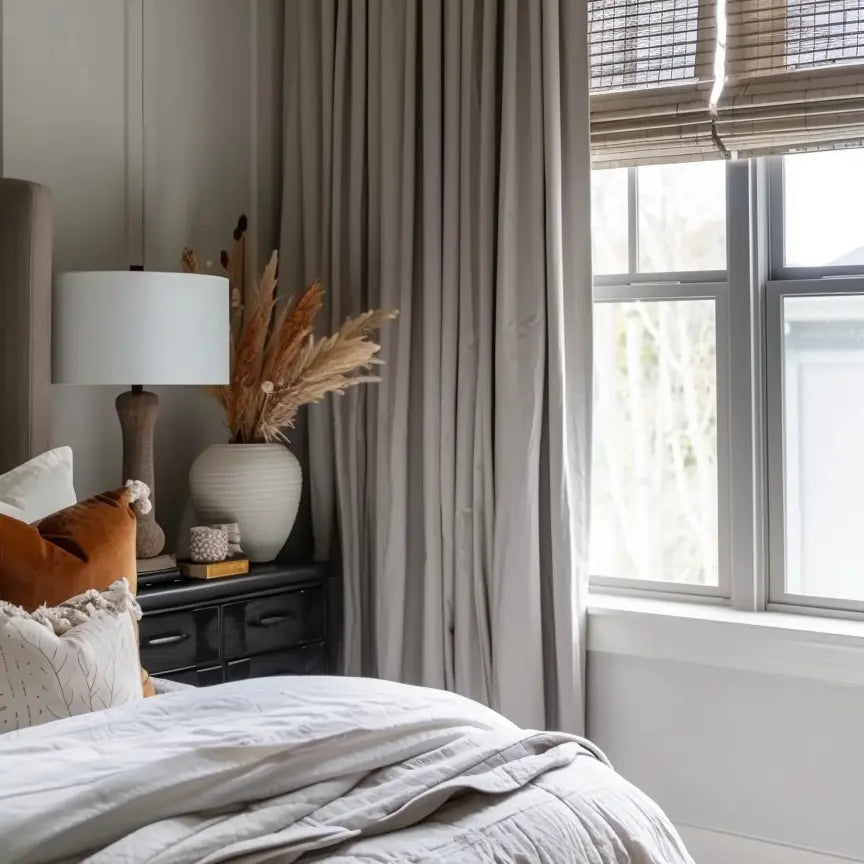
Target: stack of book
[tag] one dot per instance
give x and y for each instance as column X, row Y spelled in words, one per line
column 154, row 571
column 216, row 570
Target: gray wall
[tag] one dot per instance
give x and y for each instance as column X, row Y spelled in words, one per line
column 751, row 744
column 155, row 124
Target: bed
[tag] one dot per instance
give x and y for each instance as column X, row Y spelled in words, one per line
column 317, row 769
column 308, row 769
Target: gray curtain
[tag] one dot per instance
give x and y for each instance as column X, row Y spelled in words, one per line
column 436, row 161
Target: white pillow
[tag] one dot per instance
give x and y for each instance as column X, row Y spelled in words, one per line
column 75, row 658
column 39, row 487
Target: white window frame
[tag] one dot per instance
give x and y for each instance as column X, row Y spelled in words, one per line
column 633, row 277
column 778, row 271
column 670, row 286
column 778, row 597
column 785, row 282
column 747, row 257
column 748, row 300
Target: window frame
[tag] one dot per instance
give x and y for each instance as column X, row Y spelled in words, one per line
column 780, row 282
column 633, row 276
column 682, row 291
column 748, row 299
column 777, row 269
column 776, row 291
column 670, row 286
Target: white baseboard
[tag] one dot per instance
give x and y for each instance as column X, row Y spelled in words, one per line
column 717, row 847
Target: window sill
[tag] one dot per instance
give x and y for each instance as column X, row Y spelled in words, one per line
column 776, row 643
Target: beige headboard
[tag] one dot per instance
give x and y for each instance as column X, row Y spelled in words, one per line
column 26, row 238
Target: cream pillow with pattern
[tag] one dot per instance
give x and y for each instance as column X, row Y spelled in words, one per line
column 74, row 658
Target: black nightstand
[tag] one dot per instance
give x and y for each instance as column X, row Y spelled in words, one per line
column 279, row 619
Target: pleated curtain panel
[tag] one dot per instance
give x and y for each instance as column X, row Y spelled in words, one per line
column 436, row 160
column 681, row 80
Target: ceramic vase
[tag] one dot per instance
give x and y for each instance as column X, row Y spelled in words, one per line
column 255, row 485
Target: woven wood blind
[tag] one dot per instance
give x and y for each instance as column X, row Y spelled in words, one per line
column 678, row 80
column 652, row 72
column 793, row 76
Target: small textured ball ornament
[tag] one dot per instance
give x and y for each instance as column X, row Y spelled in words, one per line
column 207, row 545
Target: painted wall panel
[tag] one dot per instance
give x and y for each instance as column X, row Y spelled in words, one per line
column 155, row 125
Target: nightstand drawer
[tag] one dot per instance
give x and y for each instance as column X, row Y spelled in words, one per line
column 266, row 624
column 306, row 660
column 175, row 640
column 197, row 677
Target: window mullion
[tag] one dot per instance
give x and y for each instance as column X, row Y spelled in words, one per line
column 632, row 221
column 746, row 261
column 774, row 218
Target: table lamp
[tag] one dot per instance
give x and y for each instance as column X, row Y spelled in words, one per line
column 134, row 328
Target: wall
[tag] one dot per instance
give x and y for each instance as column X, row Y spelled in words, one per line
column 751, row 743
column 155, row 124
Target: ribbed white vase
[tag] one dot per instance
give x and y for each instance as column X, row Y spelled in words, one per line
column 255, row 485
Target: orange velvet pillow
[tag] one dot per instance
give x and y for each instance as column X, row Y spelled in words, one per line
column 88, row 545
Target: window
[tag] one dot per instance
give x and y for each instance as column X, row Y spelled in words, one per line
column 821, row 345
column 659, row 219
column 609, row 240
column 729, row 300
column 673, row 396
column 654, row 501
column 660, row 425
column 682, row 217
column 814, row 313
column 823, row 209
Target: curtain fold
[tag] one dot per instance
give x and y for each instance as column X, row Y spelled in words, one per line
column 437, row 161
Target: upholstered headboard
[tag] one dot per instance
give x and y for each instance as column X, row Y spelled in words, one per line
column 26, row 238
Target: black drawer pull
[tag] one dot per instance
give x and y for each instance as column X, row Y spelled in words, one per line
column 168, row 639
column 270, row 620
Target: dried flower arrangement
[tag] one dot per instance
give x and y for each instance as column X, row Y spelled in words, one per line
column 277, row 363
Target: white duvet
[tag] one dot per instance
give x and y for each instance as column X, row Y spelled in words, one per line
column 336, row 769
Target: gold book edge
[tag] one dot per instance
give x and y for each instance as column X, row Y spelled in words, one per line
column 217, row 569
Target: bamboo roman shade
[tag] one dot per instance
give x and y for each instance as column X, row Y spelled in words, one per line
column 678, row 80
column 652, row 71
column 793, row 76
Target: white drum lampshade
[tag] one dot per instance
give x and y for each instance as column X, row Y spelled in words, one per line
column 135, row 328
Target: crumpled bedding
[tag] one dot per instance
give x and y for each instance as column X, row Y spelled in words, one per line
column 165, row 685
column 317, row 769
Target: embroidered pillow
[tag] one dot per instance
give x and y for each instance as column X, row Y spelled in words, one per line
column 39, row 487
column 78, row 657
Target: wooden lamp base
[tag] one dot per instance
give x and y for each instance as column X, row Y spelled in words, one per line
column 138, row 410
